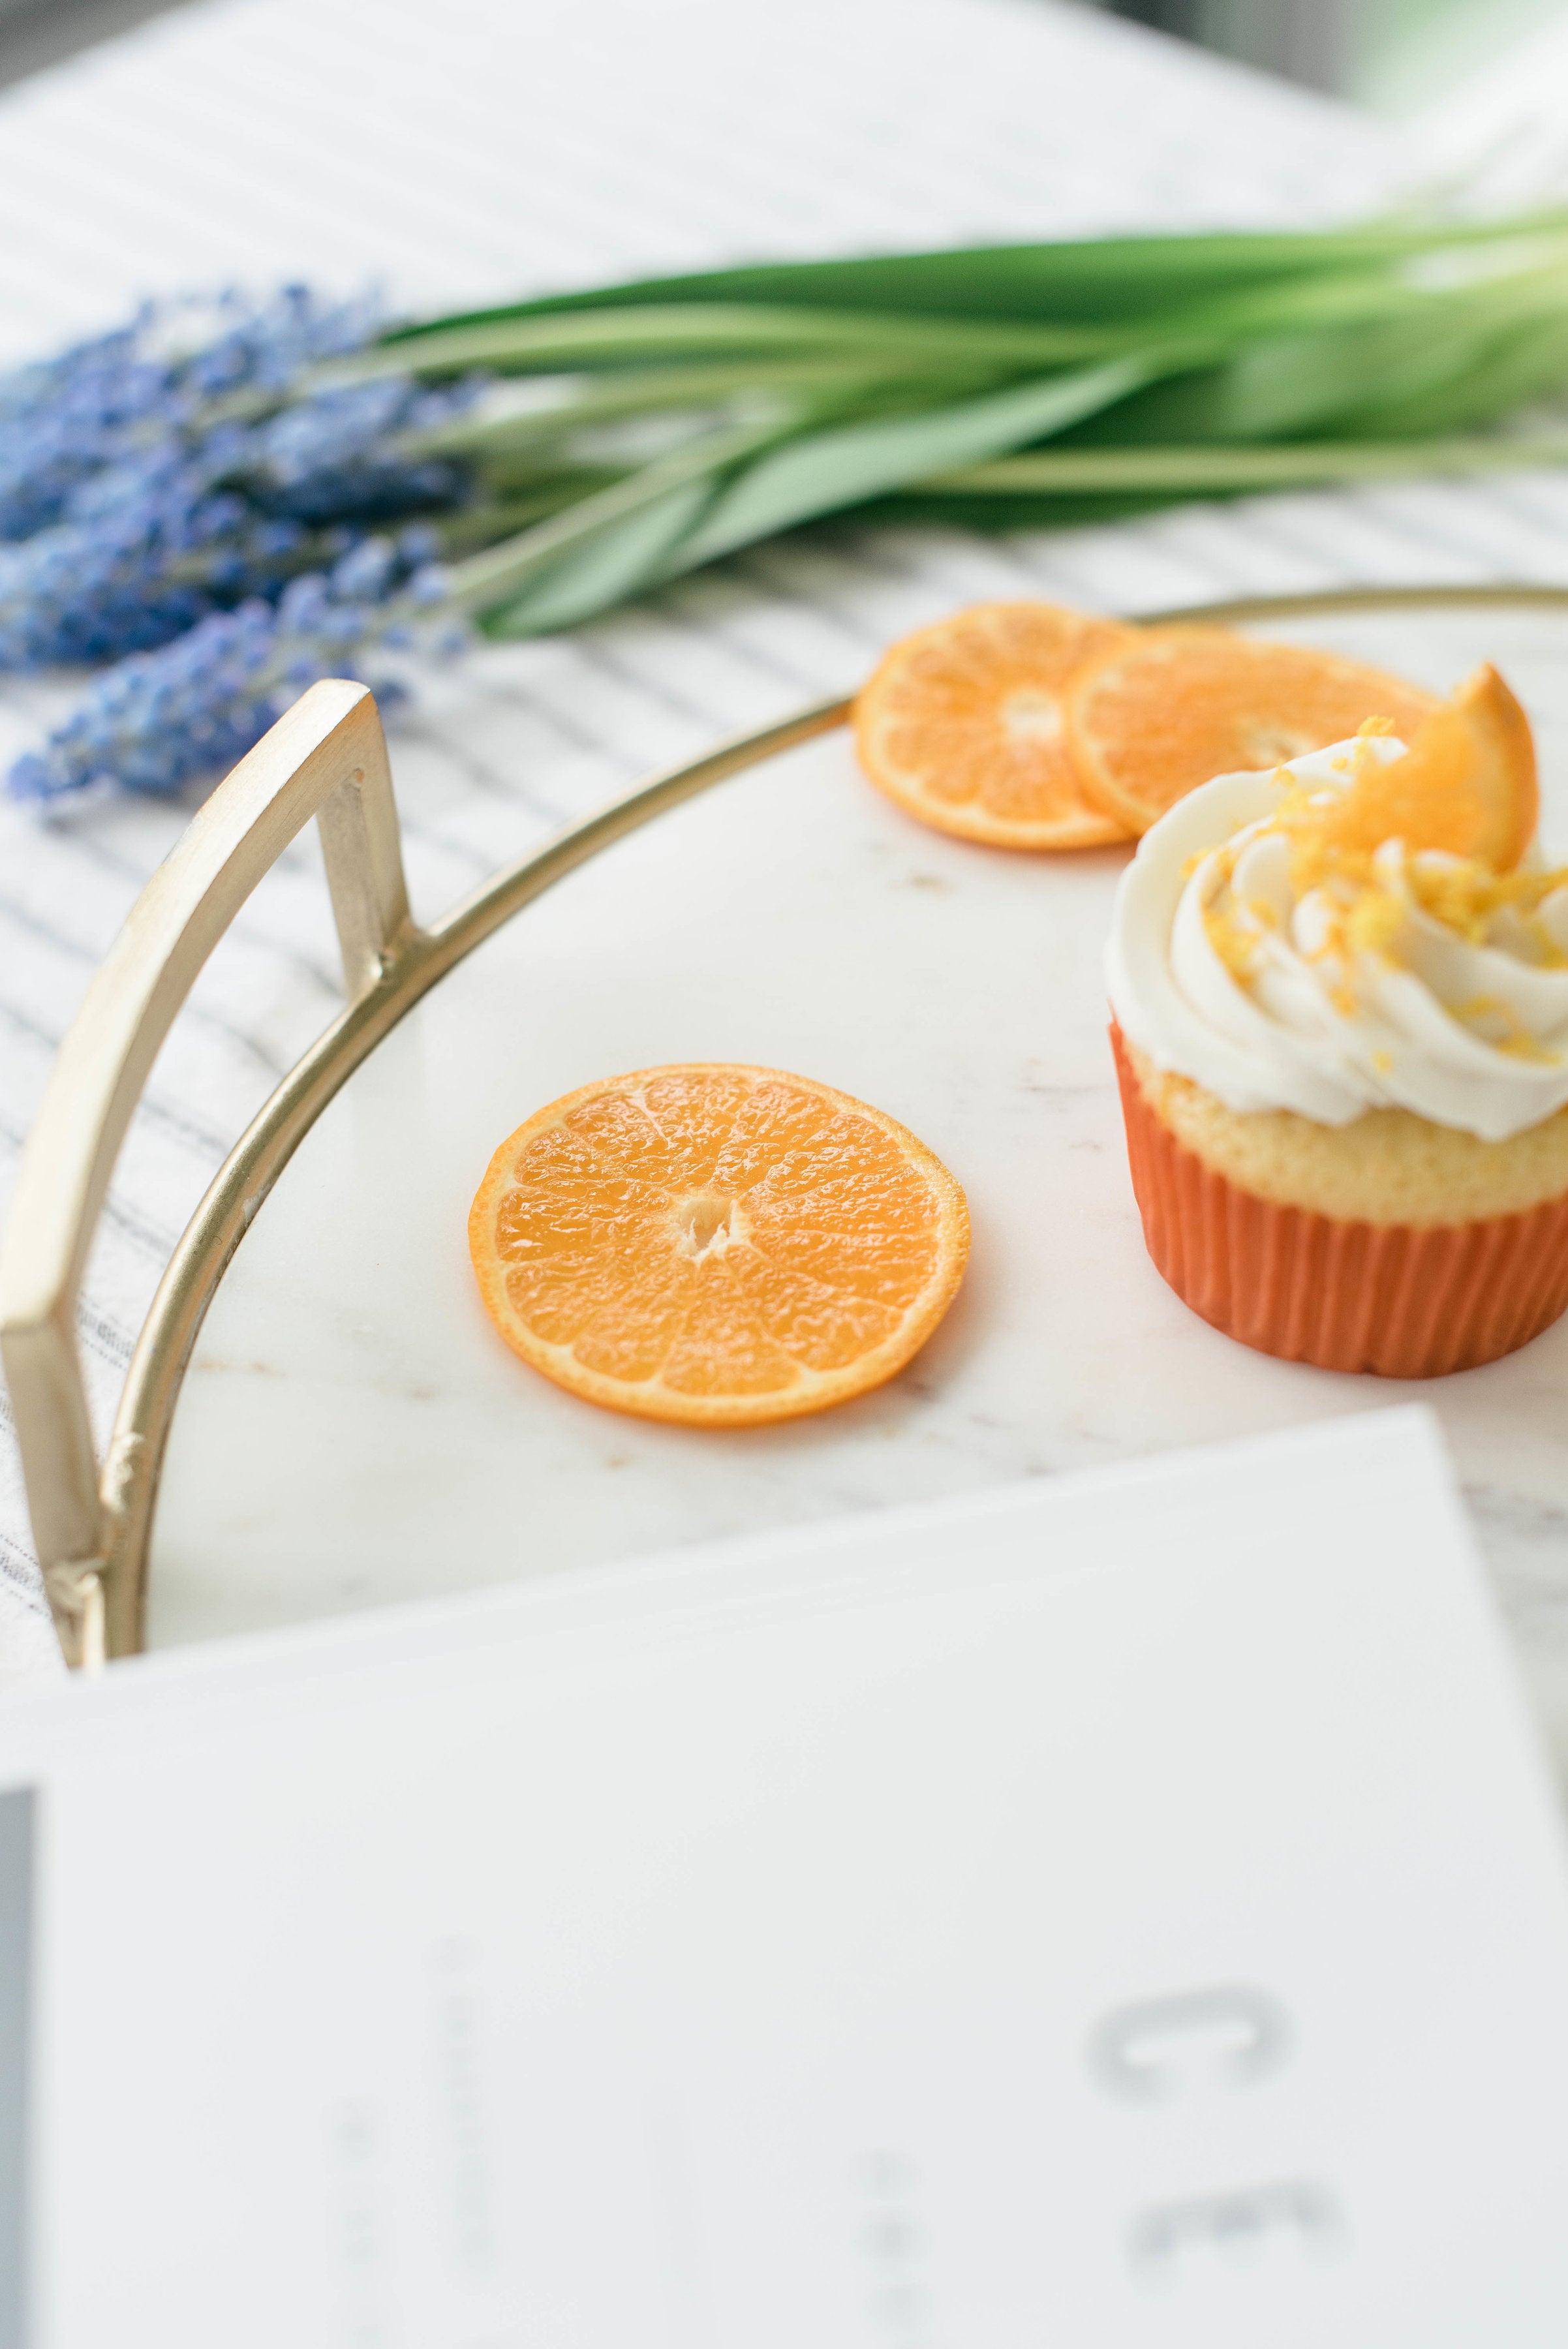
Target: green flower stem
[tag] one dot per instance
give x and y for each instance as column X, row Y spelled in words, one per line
column 486, row 582
column 586, row 401
column 472, row 528
column 1253, row 467
column 614, row 336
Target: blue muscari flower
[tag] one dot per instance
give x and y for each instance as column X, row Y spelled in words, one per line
column 342, row 451
column 63, row 419
column 172, row 532
column 157, row 721
column 156, row 550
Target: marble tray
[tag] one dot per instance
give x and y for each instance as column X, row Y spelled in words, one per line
column 350, row 1430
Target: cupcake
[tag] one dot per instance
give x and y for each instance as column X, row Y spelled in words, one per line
column 1340, row 1000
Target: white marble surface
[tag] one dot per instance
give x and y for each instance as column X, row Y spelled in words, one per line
column 353, row 1432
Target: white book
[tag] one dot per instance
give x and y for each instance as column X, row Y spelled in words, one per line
column 1127, row 1909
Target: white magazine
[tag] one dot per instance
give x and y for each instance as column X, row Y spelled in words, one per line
column 1127, row 1909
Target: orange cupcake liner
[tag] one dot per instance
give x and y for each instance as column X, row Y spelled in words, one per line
column 1403, row 1300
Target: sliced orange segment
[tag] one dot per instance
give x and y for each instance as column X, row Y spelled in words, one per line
column 1162, row 713
column 962, row 725
column 716, row 1245
column 1467, row 783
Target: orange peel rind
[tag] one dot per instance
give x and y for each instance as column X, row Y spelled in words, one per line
column 1467, row 783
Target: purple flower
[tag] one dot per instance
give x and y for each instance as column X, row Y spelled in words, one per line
column 342, row 452
column 157, row 555
column 157, row 720
column 63, row 419
column 177, row 529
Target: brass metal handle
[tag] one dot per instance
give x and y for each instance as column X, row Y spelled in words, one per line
column 325, row 757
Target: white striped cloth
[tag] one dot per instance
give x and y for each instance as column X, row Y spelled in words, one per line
column 486, row 148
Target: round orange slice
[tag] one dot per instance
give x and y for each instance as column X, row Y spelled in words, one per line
column 962, row 725
column 1467, row 783
column 716, row 1245
column 1162, row 713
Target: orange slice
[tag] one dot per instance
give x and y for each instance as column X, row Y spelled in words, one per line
column 1161, row 714
column 1467, row 783
column 716, row 1245
column 962, row 725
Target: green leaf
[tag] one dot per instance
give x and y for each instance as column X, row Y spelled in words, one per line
column 1018, row 510
column 1525, row 363
column 1084, row 280
column 612, row 564
column 491, row 580
column 1301, row 383
column 1335, row 379
column 821, row 471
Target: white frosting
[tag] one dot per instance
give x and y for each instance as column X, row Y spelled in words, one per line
column 1300, row 1030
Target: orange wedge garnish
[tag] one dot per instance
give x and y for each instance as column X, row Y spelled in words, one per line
column 1467, row 783
column 716, row 1245
column 962, row 725
column 1164, row 712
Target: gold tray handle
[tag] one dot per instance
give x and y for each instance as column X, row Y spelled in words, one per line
column 325, row 757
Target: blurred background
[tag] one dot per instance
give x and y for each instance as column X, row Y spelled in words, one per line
column 1397, row 58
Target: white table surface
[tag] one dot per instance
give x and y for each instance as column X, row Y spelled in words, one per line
column 500, row 145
